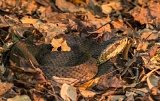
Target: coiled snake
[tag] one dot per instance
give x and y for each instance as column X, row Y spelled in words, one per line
column 80, row 63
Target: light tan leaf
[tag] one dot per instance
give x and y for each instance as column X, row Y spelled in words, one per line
column 141, row 91
column 65, row 47
column 28, row 19
column 115, row 4
column 88, row 84
column 150, row 73
column 20, row 98
column 116, row 98
column 19, row 6
column 130, row 96
column 149, row 34
column 56, row 43
column 64, row 80
column 152, row 81
column 106, row 9
column 68, row 92
column 87, row 93
column 65, row 6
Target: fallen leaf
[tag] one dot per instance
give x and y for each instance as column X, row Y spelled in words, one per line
column 68, row 92
column 116, row 98
column 38, row 98
column 148, row 34
column 152, row 81
column 130, row 96
column 155, row 93
column 155, row 59
column 65, row 47
column 49, row 30
column 89, row 84
column 21, row 29
column 19, row 6
column 116, row 5
column 61, row 80
column 65, row 6
column 141, row 14
column 20, row 98
column 56, row 43
column 153, row 50
column 97, row 10
column 88, row 93
column 106, row 9
column 142, row 45
column 5, row 87
column 28, row 19
column 105, row 82
column 141, row 91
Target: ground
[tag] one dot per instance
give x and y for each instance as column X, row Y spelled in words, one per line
column 138, row 79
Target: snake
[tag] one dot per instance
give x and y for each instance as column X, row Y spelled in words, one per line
column 81, row 62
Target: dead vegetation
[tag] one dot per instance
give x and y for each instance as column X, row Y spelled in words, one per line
column 45, row 21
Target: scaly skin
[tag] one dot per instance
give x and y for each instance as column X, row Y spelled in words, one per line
column 77, row 63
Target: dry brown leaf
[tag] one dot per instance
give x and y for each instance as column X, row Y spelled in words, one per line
column 56, row 43
column 141, row 14
column 155, row 90
column 141, row 2
column 150, row 73
column 5, row 87
column 105, row 82
column 28, row 19
column 65, row 6
column 20, row 29
column 141, row 91
column 142, row 45
column 3, row 22
column 49, row 30
column 130, row 96
column 119, row 25
column 106, row 8
column 116, row 5
column 116, row 98
column 68, row 93
column 152, row 81
column 88, row 93
column 95, row 7
column 89, row 84
column 61, row 80
column 38, row 98
column 19, row 6
column 155, row 59
column 7, row 21
column 65, row 47
column 20, row 98
column 149, row 34
column 154, row 8
column 153, row 50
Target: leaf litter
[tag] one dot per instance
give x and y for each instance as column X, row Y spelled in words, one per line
column 135, row 73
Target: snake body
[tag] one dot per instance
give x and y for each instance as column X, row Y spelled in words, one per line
column 77, row 63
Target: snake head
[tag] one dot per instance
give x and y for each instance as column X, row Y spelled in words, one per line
column 111, row 48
